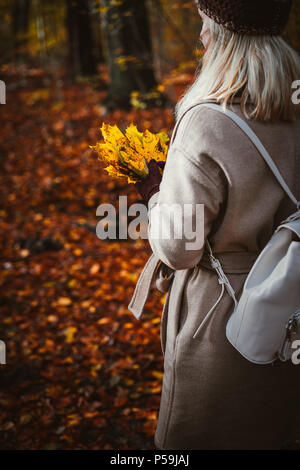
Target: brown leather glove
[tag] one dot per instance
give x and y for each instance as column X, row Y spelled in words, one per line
column 150, row 185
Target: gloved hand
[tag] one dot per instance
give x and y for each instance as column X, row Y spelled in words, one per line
column 150, row 185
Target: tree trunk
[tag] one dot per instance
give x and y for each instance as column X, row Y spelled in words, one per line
column 20, row 26
column 81, row 57
column 95, row 6
column 129, row 51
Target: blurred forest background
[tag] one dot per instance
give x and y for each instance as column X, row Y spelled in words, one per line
column 81, row 372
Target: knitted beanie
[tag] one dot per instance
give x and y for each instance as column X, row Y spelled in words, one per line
column 254, row 17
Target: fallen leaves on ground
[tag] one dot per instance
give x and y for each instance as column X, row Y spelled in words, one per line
column 81, row 372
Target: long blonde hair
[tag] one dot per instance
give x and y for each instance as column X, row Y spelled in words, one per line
column 261, row 68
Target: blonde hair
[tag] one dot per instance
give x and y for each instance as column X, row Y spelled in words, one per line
column 262, row 68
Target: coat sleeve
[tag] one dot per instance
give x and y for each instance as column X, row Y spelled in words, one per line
column 178, row 225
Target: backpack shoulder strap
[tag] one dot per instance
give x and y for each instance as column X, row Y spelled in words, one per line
column 258, row 144
column 251, row 135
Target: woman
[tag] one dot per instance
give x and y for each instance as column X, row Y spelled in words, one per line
column 212, row 397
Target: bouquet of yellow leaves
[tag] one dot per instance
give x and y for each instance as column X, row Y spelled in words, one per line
column 127, row 155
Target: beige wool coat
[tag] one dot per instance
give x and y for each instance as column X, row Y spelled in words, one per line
column 212, row 397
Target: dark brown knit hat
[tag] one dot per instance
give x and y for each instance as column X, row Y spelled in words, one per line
column 248, row 16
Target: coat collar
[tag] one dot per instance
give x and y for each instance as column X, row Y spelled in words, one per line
column 236, row 100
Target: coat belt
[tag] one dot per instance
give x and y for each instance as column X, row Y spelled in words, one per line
column 143, row 286
column 232, row 262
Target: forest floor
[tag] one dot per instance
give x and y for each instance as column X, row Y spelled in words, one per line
column 81, row 371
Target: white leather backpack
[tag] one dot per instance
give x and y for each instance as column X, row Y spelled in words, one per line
column 265, row 323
